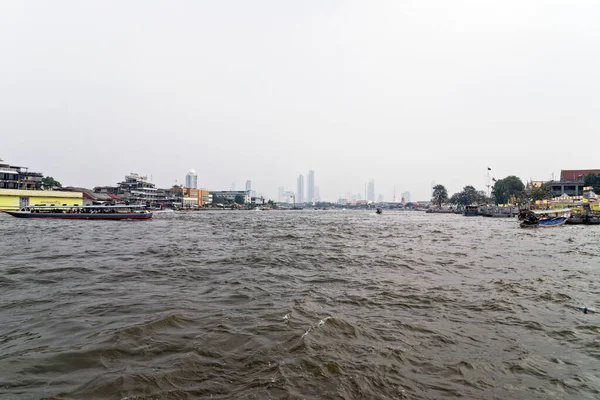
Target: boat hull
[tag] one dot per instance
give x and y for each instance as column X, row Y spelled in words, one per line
column 552, row 223
column 104, row 216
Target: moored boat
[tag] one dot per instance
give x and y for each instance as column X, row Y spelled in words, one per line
column 546, row 218
column 471, row 211
column 117, row 212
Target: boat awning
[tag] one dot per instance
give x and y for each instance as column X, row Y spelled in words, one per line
column 552, row 211
column 7, row 171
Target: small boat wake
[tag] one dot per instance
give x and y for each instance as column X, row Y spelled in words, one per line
column 321, row 323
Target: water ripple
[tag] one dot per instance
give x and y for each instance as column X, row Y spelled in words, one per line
column 311, row 304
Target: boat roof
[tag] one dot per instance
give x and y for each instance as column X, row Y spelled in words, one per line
column 552, row 211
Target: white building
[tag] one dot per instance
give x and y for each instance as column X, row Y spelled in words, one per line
column 248, row 186
column 231, row 195
column 311, row 186
column 191, row 180
column 300, row 190
column 371, row 191
column 406, row 196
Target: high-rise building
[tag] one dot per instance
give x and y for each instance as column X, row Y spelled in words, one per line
column 317, row 194
column 191, row 180
column 371, row 190
column 406, row 196
column 311, row 186
column 248, row 186
column 300, row 189
column 281, row 191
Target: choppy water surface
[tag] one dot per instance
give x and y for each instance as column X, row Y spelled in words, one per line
column 308, row 304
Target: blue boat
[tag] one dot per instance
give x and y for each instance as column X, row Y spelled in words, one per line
column 546, row 218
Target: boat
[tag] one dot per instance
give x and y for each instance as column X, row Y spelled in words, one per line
column 440, row 211
column 116, row 212
column 498, row 211
column 546, row 218
column 471, row 211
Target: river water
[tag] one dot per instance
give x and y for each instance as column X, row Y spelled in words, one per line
column 298, row 305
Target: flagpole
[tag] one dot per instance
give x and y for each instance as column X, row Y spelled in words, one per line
column 488, row 180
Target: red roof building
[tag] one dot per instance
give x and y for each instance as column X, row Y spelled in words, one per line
column 576, row 174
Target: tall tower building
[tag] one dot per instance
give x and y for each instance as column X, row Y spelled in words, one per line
column 311, row 186
column 191, row 180
column 300, row 190
column 406, row 196
column 371, row 190
column 248, row 186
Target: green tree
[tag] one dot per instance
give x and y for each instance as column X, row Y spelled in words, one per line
column 543, row 192
column 500, row 192
column 481, row 197
column 456, row 198
column 593, row 180
column 239, row 199
column 514, row 186
column 221, row 200
column 440, row 195
column 50, row 182
column 469, row 195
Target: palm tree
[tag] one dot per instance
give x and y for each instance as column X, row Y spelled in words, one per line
column 440, row 195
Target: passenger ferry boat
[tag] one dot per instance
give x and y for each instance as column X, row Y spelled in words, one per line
column 83, row 212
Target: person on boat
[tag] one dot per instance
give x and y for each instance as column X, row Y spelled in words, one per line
column 531, row 218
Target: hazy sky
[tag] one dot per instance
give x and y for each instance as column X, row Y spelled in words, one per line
column 403, row 92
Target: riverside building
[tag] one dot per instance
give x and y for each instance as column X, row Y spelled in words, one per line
column 20, row 188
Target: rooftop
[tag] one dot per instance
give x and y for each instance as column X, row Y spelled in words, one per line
column 576, row 174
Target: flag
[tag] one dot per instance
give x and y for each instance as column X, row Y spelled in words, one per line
column 489, row 169
column 493, row 179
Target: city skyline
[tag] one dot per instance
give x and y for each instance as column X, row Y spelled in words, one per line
column 415, row 92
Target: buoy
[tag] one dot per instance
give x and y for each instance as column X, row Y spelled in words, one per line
column 587, row 310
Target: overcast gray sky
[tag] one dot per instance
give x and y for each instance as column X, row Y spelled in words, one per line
column 403, row 92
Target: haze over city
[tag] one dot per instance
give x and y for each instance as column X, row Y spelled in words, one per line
column 404, row 93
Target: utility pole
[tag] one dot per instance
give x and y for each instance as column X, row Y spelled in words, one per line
column 488, row 181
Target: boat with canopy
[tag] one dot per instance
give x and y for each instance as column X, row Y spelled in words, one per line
column 546, row 218
column 116, row 212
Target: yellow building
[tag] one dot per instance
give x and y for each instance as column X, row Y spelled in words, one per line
column 14, row 199
column 192, row 198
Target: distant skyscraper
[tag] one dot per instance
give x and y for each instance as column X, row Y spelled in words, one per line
column 380, row 198
column 281, row 191
column 406, row 196
column 248, row 186
column 371, row 191
column 311, row 186
column 191, row 180
column 317, row 194
column 300, row 190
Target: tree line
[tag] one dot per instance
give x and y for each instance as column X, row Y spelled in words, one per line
column 510, row 189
